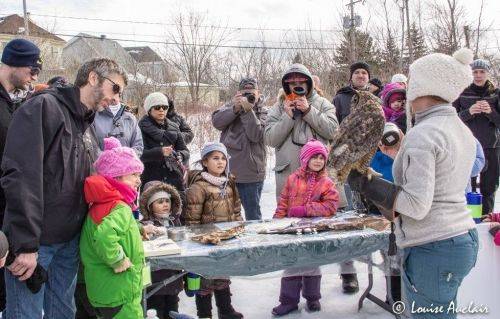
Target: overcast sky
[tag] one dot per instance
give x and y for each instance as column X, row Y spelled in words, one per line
column 286, row 14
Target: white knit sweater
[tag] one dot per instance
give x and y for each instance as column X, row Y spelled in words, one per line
column 433, row 167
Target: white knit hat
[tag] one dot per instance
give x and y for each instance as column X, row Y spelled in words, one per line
column 399, row 78
column 154, row 99
column 440, row 75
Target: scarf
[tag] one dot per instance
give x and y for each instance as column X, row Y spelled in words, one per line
column 129, row 195
column 392, row 115
column 221, row 182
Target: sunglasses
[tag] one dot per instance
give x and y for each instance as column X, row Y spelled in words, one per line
column 160, row 107
column 116, row 88
column 34, row 70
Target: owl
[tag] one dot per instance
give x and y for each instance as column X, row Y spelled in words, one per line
column 357, row 138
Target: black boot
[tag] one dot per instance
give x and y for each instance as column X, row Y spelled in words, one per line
column 171, row 304
column 204, row 306
column 223, row 302
column 350, row 283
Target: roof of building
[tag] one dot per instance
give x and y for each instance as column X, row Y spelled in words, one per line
column 143, row 54
column 103, row 47
column 14, row 24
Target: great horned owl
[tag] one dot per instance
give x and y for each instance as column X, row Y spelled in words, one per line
column 356, row 140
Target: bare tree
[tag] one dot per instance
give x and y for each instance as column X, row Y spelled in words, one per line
column 447, row 30
column 191, row 48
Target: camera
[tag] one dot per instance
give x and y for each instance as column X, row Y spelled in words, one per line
column 390, row 137
column 250, row 97
column 299, row 91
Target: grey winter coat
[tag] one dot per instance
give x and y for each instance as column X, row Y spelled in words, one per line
column 243, row 135
column 123, row 126
column 288, row 136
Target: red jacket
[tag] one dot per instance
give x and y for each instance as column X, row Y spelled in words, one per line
column 313, row 190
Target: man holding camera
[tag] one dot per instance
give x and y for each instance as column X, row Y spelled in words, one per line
column 299, row 115
column 241, row 122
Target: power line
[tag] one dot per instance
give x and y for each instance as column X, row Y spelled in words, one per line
column 198, row 44
column 175, row 24
column 98, row 33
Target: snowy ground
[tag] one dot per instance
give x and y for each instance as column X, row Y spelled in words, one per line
column 256, row 296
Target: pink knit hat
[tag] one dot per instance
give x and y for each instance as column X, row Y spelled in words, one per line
column 313, row 147
column 117, row 160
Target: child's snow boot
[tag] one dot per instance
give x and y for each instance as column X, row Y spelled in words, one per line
column 223, row 302
column 311, row 291
column 289, row 295
column 204, row 306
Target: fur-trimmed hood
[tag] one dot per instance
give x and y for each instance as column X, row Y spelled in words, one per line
column 176, row 203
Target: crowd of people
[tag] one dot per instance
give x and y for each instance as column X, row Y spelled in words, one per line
column 75, row 164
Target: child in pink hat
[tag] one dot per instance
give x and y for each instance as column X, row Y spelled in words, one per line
column 308, row 192
column 111, row 245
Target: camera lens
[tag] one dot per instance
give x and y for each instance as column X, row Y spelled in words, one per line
column 390, row 136
column 251, row 98
column 299, row 90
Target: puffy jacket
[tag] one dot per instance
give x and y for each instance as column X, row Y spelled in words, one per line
column 105, row 243
column 243, row 135
column 485, row 127
column 288, row 136
column 123, row 126
column 45, row 164
column 156, row 166
column 315, row 191
column 206, row 203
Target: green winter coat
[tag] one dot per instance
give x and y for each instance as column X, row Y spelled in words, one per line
column 110, row 233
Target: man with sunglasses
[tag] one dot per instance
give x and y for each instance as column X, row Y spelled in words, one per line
column 19, row 69
column 45, row 163
column 241, row 123
column 299, row 115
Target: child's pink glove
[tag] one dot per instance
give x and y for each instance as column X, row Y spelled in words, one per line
column 297, row 211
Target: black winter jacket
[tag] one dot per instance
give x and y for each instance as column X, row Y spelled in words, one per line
column 156, row 166
column 342, row 102
column 186, row 131
column 44, row 167
column 7, row 108
column 485, row 127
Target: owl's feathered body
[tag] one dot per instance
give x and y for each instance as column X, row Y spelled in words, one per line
column 357, row 138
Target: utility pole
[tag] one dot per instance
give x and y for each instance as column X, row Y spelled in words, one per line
column 467, row 36
column 352, row 28
column 26, row 21
column 410, row 43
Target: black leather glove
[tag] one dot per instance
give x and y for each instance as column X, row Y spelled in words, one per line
column 379, row 191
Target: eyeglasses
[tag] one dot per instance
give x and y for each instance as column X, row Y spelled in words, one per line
column 34, row 70
column 116, row 87
column 160, row 107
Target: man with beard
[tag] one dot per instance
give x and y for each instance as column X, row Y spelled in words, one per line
column 45, row 164
column 20, row 67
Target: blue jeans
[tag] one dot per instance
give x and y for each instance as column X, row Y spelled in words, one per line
column 432, row 274
column 250, row 199
column 56, row 296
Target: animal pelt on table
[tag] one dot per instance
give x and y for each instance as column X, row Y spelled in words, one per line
column 357, row 138
column 217, row 236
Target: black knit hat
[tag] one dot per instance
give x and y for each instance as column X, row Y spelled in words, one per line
column 21, row 53
column 359, row 65
column 376, row 82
